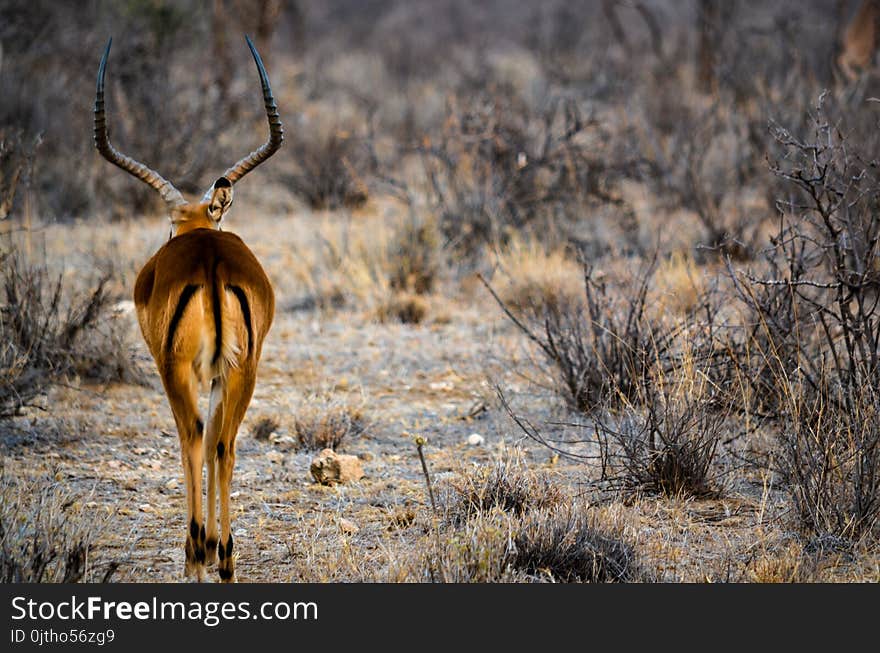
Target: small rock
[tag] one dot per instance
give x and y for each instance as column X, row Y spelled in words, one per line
column 170, row 485
column 475, row 439
column 348, row 527
column 329, row 467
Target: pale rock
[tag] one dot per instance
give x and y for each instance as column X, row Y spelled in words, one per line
column 475, row 439
column 329, row 468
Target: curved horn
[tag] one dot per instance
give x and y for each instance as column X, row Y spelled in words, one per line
column 102, row 141
column 276, row 131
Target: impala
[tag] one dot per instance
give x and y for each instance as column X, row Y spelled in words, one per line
column 204, row 305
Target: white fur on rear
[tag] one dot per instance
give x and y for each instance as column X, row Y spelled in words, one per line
column 206, row 365
column 230, row 317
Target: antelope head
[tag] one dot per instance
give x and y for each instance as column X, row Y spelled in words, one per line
column 207, row 213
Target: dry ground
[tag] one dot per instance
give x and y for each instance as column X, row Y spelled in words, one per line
column 115, row 447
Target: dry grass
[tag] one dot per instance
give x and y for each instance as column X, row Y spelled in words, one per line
column 404, row 307
column 788, row 563
column 565, row 544
column 264, row 428
column 507, row 522
column 533, row 280
column 384, row 270
column 507, row 484
column 326, row 427
column 679, row 284
column 52, row 329
column 47, row 534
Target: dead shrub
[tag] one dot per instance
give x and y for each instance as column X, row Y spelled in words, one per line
column 601, row 349
column 499, row 166
column 814, row 322
column 264, row 427
column 330, row 171
column 50, row 330
column 404, row 307
column 46, row 535
column 507, row 484
column 558, row 544
column 325, row 427
column 711, row 168
column 413, row 257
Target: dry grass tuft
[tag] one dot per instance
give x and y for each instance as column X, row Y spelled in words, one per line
column 563, row 543
column 264, row 427
column 679, row 283
column 413, row 257
column 401, row 517
column 785, row 564
column 50, row 330
column 507, row 484
column 536, row 280
column 317, row 428
column 404, row 307
column 668, row 443
column 45, row 534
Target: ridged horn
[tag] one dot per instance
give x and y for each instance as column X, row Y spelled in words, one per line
column 276, row 131
column 102, row 141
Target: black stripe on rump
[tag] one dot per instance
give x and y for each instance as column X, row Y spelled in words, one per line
column 246, row 312
column 188, row 291
column 218, row 326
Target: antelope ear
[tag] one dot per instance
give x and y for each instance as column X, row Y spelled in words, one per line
column 221, row 199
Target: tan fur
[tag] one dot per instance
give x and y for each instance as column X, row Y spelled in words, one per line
column 859, row 41
column 213, row 262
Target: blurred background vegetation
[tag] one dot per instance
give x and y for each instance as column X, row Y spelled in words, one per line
column 517, row 90
column 676, row 202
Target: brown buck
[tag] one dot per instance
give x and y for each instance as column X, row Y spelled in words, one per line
column 204, row 305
